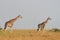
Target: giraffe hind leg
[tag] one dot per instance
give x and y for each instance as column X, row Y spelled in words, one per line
column 5, row 28
column 37, row 29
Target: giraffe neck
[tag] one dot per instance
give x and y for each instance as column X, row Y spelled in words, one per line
column 16, row 18
column 13, row 20
column 46, row 21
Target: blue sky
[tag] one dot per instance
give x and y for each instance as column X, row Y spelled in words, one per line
column 32, row 11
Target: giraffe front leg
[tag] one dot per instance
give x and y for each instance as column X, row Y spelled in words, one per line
column 10, row 29
column 41, row 29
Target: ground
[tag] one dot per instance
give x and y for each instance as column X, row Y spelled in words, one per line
column 29, row 35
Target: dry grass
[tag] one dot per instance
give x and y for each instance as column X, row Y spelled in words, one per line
column 29, row 35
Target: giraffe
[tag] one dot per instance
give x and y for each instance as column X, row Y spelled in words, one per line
column 10, row 23
column 42, row 25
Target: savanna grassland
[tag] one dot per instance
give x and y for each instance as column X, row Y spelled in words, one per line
column 29, row 35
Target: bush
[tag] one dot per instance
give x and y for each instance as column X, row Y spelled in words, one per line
column 55, row 29
column 0, row 28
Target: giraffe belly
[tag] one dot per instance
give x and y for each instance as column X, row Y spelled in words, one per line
column 9, row 25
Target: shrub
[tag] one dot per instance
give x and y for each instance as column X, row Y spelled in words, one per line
column 0, row 28
column 55, row 29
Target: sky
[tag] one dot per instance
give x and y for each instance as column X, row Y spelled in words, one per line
column 32, row 11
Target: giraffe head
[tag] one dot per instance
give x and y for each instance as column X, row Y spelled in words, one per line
column 19, row 16
column 48, row 18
